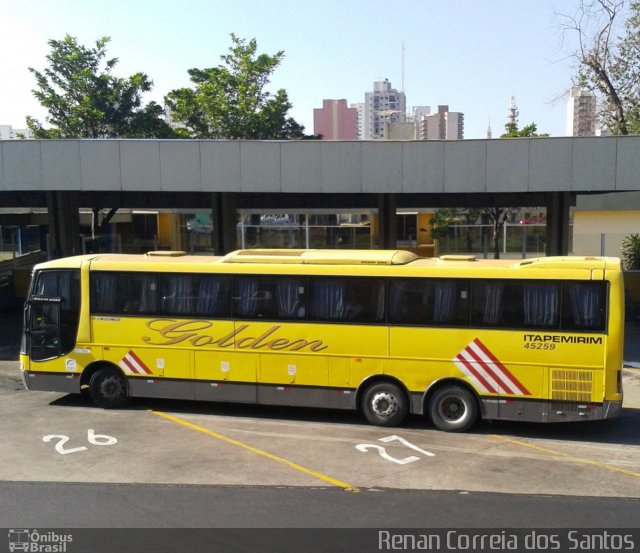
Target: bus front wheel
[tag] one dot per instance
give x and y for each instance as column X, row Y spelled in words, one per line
column 385, row 404
column 108, row 389
column 453, row 409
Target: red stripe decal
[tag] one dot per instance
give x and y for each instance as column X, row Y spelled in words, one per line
column 130, row 366
column 140, row 362
column 489, row 369
column 475, row 372
column 506, row 371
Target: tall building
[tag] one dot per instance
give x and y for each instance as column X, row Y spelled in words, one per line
column 383, row 105
column 360, row 108
column 443, row 125
column 7, row 132
column 419, row 112
column 336, row 121
column 581, row 113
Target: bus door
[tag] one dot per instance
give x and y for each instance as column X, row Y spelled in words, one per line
column 43, row 328
column 52, row 314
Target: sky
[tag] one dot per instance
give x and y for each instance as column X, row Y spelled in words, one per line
column 472, row 55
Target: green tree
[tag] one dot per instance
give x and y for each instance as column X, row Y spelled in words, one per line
column 441, row 221
column 85, row 100
column 230, row 100
column 630, row 249
column 607, row 59
column 528, row 131
column 497, row 216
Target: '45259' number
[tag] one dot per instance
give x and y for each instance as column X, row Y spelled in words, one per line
column 539, row 345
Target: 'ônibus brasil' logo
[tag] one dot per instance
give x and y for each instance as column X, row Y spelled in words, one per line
column 486, row 371
column 170, row 332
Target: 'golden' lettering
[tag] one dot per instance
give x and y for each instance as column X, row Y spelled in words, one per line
column 174, row 332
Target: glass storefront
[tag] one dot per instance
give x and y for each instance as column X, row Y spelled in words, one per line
column 305, row 230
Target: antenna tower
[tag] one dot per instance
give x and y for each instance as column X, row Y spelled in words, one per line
column 513, row 112
column 402, row 79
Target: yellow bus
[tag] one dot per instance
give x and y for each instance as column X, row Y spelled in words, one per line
column 453, row 338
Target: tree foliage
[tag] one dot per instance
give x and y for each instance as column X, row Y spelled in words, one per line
column 497, row 216
column 230, row 101
column 630, row 250
column 85, row 100
column 528, row 131
column 608, row 59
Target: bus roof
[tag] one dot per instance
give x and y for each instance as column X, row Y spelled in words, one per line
column 374, row 262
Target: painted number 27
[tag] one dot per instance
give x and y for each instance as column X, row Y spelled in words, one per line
column 92, row 438
column 364, row 448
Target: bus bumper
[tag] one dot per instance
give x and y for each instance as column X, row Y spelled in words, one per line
column 51, row 382
column 612, row 409
column 548, row 411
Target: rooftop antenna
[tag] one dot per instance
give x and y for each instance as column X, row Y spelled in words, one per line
column 402, row 79
column 513, row 112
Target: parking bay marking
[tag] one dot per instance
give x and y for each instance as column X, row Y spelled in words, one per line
column 92, row 438
column 364, row 448
column 566, row 456
column 290, row 464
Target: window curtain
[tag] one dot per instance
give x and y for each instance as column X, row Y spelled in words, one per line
column 398, row 303
column 585, row 305
column 492, row 312
column 69, row 289
column 288, row 299
column 148, row 295
column 380, row 310
column 540, row 304
column 445, row 302
column 247, row 301
column 177, row 298
column 208, row 302
column 105, row 293
column 328, row 299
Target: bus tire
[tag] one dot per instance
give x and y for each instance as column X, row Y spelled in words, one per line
column 385, row 404
column 108, row 388
column 453, row 409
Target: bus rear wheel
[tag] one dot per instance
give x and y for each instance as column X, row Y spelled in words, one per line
column 108, row 389
column 385, row 404
column 453, row 409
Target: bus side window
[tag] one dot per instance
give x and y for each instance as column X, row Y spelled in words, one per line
column 488, row 305
column 291, row 298
column 409, row 301
column 253, row 298
column 346, row 299
column 176, row 294
column 424, row 301
column 497, row 304
column 213, row 297
column 123, row 293
column 540, row 304
column 583, row 306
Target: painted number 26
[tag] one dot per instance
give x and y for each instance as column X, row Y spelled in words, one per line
column 92, row 438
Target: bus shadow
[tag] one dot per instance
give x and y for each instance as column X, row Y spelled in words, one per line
column 231, row 410
column 620, row 431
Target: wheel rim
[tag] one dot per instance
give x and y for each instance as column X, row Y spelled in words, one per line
column 384, row 405
column 112, row 388
column 452, row 408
